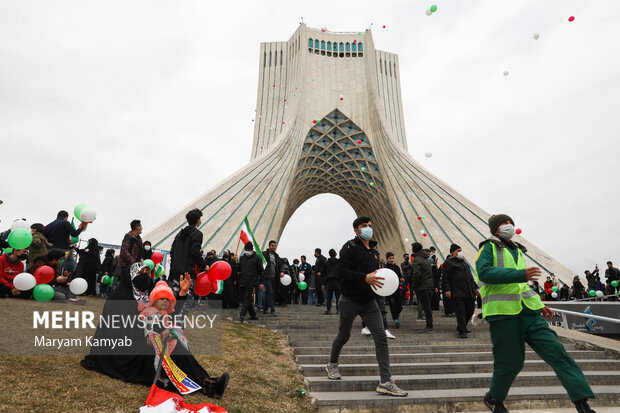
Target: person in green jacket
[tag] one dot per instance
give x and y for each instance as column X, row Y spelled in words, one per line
column 423, row 283
column 515, row 316
column 40, row 245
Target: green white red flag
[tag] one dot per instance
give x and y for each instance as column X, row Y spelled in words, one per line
column 247, row 235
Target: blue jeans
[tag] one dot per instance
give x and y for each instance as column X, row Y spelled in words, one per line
column 312, row 299
column 269, row 288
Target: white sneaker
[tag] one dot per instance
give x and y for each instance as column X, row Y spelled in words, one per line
column 365, row 331
column 389, row 335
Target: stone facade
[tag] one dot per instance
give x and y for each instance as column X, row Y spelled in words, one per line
column 332, row 122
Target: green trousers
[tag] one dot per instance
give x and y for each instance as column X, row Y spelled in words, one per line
column 509, row 336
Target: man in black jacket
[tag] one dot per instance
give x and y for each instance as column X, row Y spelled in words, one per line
column 250, row 272
column 405, row 267
column 271, row 277
column 394, row 300
column 185, row 255
column 331, row 282
column 319, row 279
column 359, row 260
column 423, row 282
column 60, row 231
column 460, row 287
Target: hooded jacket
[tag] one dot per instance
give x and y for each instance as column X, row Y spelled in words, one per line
column 250, row 269
column 356, row 261
column 185, row 253
column 331, row 270
column 422, row 272
column 458, row 279
column 38, row 248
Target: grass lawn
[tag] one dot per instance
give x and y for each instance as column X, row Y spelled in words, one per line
column 264, row 377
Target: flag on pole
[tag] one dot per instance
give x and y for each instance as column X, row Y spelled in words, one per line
column 163, row 401
column 247, row 235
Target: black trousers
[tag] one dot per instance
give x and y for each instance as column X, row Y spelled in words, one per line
column 464, row 308
column 435, row 301
column 395, row 303
column 332, row 288
column 425, row 297
column 381, row 304
column 246, row 303
column 448, row 306
column 318, row 282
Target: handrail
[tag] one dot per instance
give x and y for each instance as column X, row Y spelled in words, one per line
column 597, row 298
column 583, row 315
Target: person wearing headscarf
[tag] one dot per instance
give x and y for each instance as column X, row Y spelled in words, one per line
column 91, row 264
column 135, row 364
column 147, row 251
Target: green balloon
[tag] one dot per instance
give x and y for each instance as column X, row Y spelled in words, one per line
column 159, row 271
column 554, row 289
column 149, row 263
column 106, row 280
column 433, row 8
column 302, row 285
column 372, row 184
column 43, row 292
column 592, row 293
column 614, row 283
column 20, row 239
column 78, row 210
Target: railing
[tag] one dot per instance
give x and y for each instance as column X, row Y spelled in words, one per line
column 564, row 313
column 597, row 298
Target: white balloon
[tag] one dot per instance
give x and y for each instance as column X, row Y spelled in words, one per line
column 78, row 286
column 506, row 73
column 88, row 214
column 428, row 12
column 536, row 36
column 599, row 293
column 406, row 239
column 554, row 294
column 24, row 281
column 302, row 277
column 390, row 282
column 422, row 232
column 20, row 224
column 428, row 154
column 286, row 280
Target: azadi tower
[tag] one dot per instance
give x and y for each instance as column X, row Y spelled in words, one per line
column 329, row 119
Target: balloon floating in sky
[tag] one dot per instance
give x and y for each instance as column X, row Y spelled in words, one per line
column 359, row 141
column 428, row 12
column 425, row 234
column 433, row 8
column 359, row 33
column 372, row 184
column 314, row 121
column 274, row 85
column 406, row 239
column 506, row 73
column 363, row 169
column 536, row 36
column 570, row 19
column 384, row 25
column 422, row 232
column 428, row 154
column 419, row 218
column 518, row 231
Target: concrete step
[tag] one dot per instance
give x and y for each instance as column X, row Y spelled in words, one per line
column 456, row 400
column 369, row 369
column 452, row 381
column 434, row 357
column 396, row 348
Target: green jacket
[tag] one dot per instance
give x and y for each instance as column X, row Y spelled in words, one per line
column 38, row 248
column 422, row 272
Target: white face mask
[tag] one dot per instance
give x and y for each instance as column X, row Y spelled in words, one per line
column 506, row 231
column 146, row 247
column 366, row 233
column 459, row 255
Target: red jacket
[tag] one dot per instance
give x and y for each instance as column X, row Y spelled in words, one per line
column 548, row 287
column 8, row 270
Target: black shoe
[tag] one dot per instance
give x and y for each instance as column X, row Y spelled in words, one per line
column 328, row 312
column 426, row 331
column 582, row 406
column 274, row 314
column 494, row 405
column 253, row 318
column 241, row 319
column 397, row 324
column 463, row 335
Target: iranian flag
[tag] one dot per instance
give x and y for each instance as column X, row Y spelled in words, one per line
column 163, row 401
column 219, row 287
column 247, row 235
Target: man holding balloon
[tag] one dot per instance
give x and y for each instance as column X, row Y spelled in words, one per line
column 12, row 264
column 359, row 260
column 59, row 231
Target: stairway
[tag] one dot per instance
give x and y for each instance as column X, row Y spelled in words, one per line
column 441, row 372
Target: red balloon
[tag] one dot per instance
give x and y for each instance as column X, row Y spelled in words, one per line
column 314, row 121
column 425, row 234
column 44, row 274
column 419, row 217
column 518, row 231
column 157, row 257
column 220, row 270
column 571, row 18
column 359, row 141
column 203, row 285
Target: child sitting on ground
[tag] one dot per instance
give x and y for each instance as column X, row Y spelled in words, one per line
column 157, row 312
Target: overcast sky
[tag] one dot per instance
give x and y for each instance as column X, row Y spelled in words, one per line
column 138, row 107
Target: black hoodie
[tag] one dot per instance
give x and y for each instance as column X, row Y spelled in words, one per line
column 185, row 253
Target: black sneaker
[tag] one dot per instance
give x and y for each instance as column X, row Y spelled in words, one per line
column 397, row 323
column 494, row 405
column 583, row 407
column 220, row 385
column 241, row 319
column 254, row 318
column 463, row 335
column 328, row 312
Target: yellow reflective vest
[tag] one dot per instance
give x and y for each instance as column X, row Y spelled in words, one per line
column 507, row 299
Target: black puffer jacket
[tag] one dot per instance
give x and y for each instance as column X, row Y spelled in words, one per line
column 356, row 261
column 457, row 279
column 185, row 253
column 422, row 272
column 250, row 269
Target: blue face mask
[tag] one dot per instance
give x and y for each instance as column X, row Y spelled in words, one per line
column 366, row 233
